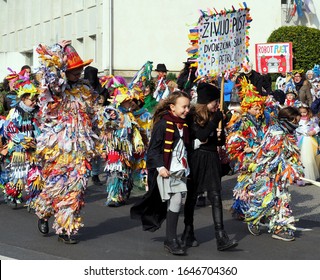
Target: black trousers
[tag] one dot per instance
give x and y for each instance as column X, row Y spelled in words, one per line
column 216, row 202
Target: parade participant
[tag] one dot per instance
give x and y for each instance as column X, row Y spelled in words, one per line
column 281, row 81
column 275, row 166
column 291, row 94
column 144, row 120
column 27, row 70
column 252, row 76
column 205, row 165
column 3, row 153
column 308, row 144
column 313, row 80
column 149, row 101
column 298, row 79
column 244, row 137
column 91, row 74
column 162, row 90
column 10, row 99
column 19, row 131
column 140, row 88
column 120, row 143
column 4, row 90
column 67, row 142
column 187, row 75
column 303, row 87
column 167, row 170
column 143, row 82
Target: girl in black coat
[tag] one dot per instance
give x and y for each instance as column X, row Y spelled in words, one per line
column 167, row 169
column 205, row 165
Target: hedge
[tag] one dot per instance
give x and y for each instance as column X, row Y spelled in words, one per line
column 305, row 44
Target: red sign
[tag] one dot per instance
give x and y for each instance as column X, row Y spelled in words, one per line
column 274, row 57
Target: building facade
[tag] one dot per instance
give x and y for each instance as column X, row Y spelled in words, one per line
column 121, row 35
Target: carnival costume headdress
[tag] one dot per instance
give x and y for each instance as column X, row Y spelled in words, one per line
column 74, row 60
column 142, row 77
column 118, row 89
column 20, row 82
column 249, row 96
column 290, row 87
column 27, row 88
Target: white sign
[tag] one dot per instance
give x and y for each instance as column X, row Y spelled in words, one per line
column 222, row 42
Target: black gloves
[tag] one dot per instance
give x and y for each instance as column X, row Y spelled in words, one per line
column 218, row 116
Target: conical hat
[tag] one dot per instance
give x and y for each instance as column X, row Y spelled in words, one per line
column 74, row 60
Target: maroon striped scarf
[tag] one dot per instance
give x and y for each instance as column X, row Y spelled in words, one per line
column 171, row 122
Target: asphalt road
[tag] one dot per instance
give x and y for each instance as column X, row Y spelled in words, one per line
column 110, row 234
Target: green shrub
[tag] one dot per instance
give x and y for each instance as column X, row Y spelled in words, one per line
column 172, row 77
column 305, row 44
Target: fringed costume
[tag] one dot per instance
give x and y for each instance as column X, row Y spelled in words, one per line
column 138, row 86
column 275, row 166
column 121, row 139
column 244, row 137
column 19, row 131
column 140, row 173
column 66, row 143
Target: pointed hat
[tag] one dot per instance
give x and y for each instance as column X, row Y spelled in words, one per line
column 74, row 60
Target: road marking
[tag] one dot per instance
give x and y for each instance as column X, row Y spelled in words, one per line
column 5, row 258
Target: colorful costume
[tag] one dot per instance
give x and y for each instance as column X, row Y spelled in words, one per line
column 66, row 143
column 19, row 131
column 246, row 133
column 120, row 138
column 275, row 166
column 144, row 119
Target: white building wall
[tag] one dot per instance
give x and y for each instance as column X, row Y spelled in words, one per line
column 142, row 29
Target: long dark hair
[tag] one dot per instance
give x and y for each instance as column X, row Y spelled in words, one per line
column 288, row 113
column 164, row 105
column 201, row 114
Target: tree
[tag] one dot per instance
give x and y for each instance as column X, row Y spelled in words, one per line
column 305, row 44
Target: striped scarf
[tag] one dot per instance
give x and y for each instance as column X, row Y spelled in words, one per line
column 171, row 121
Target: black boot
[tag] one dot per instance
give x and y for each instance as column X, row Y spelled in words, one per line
column 187, row 238
column 171, row 243
column 223, row 241
column 43, row 226
column 173, row 246
column 67, row 239
column 96, row 180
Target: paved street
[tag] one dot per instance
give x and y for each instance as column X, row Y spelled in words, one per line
column 109, row 233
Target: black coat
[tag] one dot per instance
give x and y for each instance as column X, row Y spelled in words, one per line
column 150, row 210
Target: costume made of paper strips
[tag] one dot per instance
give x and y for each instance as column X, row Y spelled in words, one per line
column 275, row 166
column 19, row 132
column 66, row 143
column 246, row 132
column 121, row 139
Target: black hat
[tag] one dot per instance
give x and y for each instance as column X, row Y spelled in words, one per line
column 279, row 96
column 161, row 68
column 207, row 93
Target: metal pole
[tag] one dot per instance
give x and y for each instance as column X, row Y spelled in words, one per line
column 110, row 37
